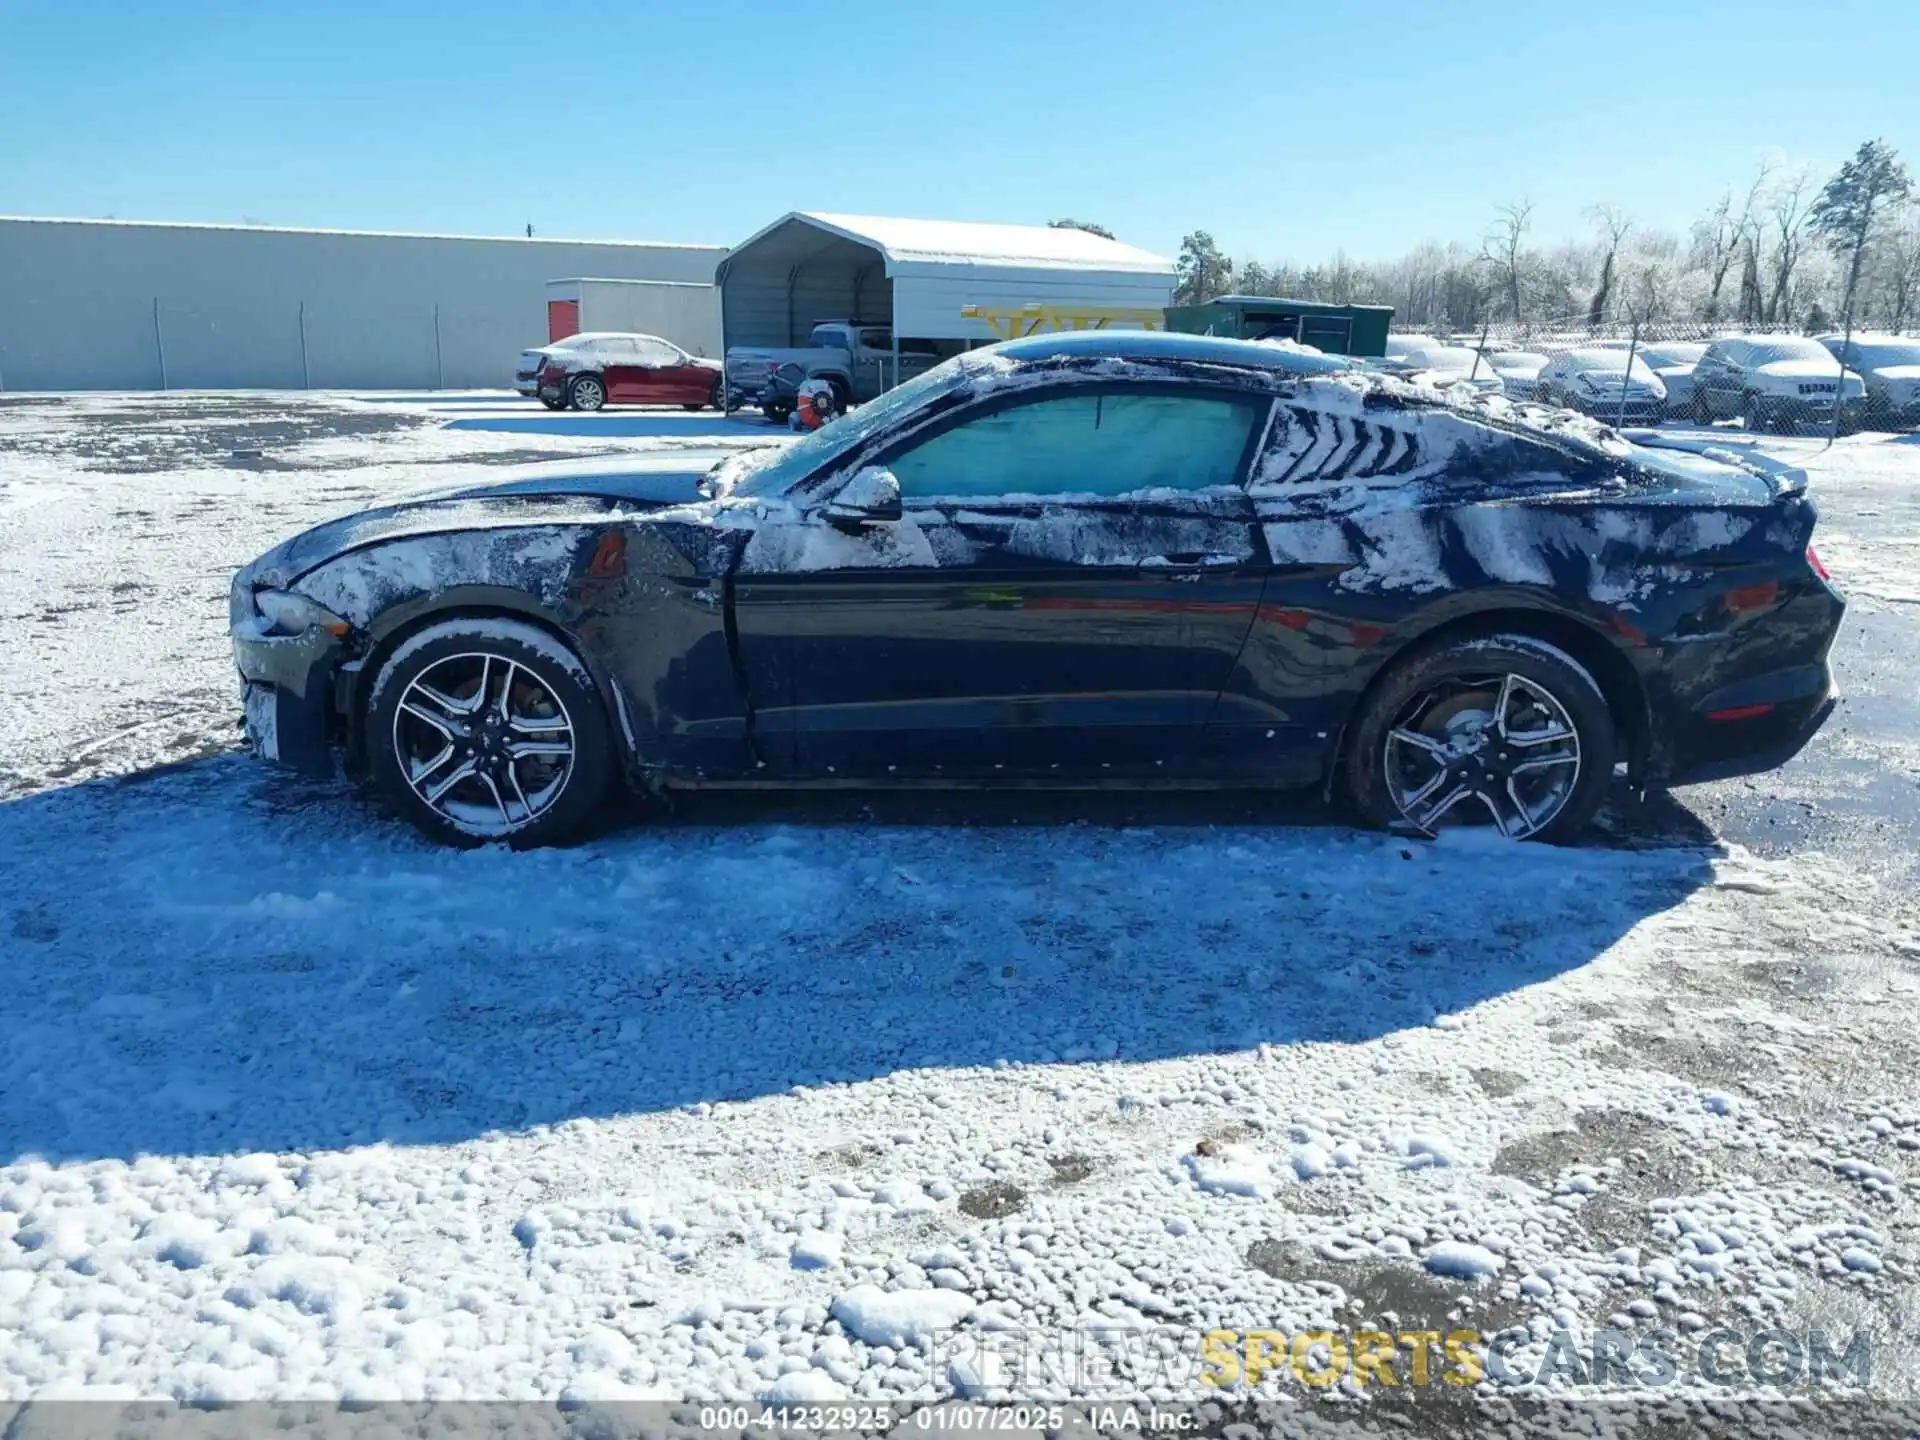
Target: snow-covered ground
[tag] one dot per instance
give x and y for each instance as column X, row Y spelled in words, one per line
column 295, row 1105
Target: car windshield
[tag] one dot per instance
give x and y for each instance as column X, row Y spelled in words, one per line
column 1766, row 352
column 1875, row 357
column 770, row 472
column 1675, row 354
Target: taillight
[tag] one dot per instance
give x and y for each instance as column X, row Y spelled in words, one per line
column 1813, row 559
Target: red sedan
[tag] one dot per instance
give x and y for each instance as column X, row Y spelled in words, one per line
column 588, row 372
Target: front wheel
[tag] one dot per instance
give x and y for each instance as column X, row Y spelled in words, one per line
column 482, row 730
column 1507, row 732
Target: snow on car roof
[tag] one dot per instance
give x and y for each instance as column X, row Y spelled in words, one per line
column 1599, row 358
column 1168, row 345
column 971, row 242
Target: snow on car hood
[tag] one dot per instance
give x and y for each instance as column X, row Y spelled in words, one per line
column 576, row 492
column 1801, row 370
column 1898, row 372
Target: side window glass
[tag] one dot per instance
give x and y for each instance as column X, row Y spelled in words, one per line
column 1085, row 444
column 877, row 339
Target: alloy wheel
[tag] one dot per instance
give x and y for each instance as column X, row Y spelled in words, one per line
column 1493, row 748
column 588, row 394
column 483, row 742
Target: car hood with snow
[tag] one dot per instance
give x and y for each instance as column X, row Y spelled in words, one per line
column 1793, row 373
column 564, row 494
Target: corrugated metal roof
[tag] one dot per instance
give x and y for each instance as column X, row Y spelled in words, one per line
column 371, row 234
column 967, row 242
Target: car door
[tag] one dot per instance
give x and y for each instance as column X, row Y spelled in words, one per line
column 655, row 377
column 1064, row 596
column 873, row 362
column 620, row 368
column 1717, row 383
column 682, row 382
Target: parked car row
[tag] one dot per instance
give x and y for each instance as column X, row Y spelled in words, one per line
column 1764, row 381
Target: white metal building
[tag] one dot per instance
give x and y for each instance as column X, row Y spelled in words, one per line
column 677, row 310
column 92, row 305
column 917, row 276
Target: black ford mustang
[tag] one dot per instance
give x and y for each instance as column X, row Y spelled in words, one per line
column 1098, row 559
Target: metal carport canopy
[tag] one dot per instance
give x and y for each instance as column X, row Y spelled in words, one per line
column 934, row 268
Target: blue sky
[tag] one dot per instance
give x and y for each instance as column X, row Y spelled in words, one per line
column 1288, row 130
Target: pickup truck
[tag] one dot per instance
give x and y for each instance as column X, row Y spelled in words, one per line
column 857, row 360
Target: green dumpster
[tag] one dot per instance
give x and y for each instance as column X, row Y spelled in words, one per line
column 1336, row 329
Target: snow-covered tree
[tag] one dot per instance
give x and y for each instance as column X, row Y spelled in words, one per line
column 1204, row 272
column 1854, row 204
column 1086, row 225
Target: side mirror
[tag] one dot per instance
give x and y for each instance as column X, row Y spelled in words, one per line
column 871, row 497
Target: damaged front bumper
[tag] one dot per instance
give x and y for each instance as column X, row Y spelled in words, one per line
column 287, row 695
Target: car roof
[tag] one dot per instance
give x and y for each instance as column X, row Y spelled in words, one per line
column 1163, row 345
column 1870, row 337
column 1596, row 354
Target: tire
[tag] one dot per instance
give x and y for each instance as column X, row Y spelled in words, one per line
column 586, row 392
column 1760, row 417
column 776, row 413
column 553, row 404
column 1447, row 696
column 1702, row 411
column 842, row 394
column 438, row 701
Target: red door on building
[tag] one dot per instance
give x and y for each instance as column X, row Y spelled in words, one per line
column 563, row 319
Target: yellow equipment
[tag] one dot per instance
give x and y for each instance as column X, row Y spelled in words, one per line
column 1011, row 324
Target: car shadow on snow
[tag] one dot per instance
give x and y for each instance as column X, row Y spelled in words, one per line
column 659, row 424
column 217, row 958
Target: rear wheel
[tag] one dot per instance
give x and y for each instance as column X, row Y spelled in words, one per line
column 483, row 730
column 1501, row 731
column 553, row 404
column 587, row 392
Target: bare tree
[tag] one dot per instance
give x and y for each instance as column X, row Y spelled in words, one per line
column 1900, row 272
column 1504, row 249
column 1752, row 298
column 1717, row 238
column 1787, row 208
column 1613, row 225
